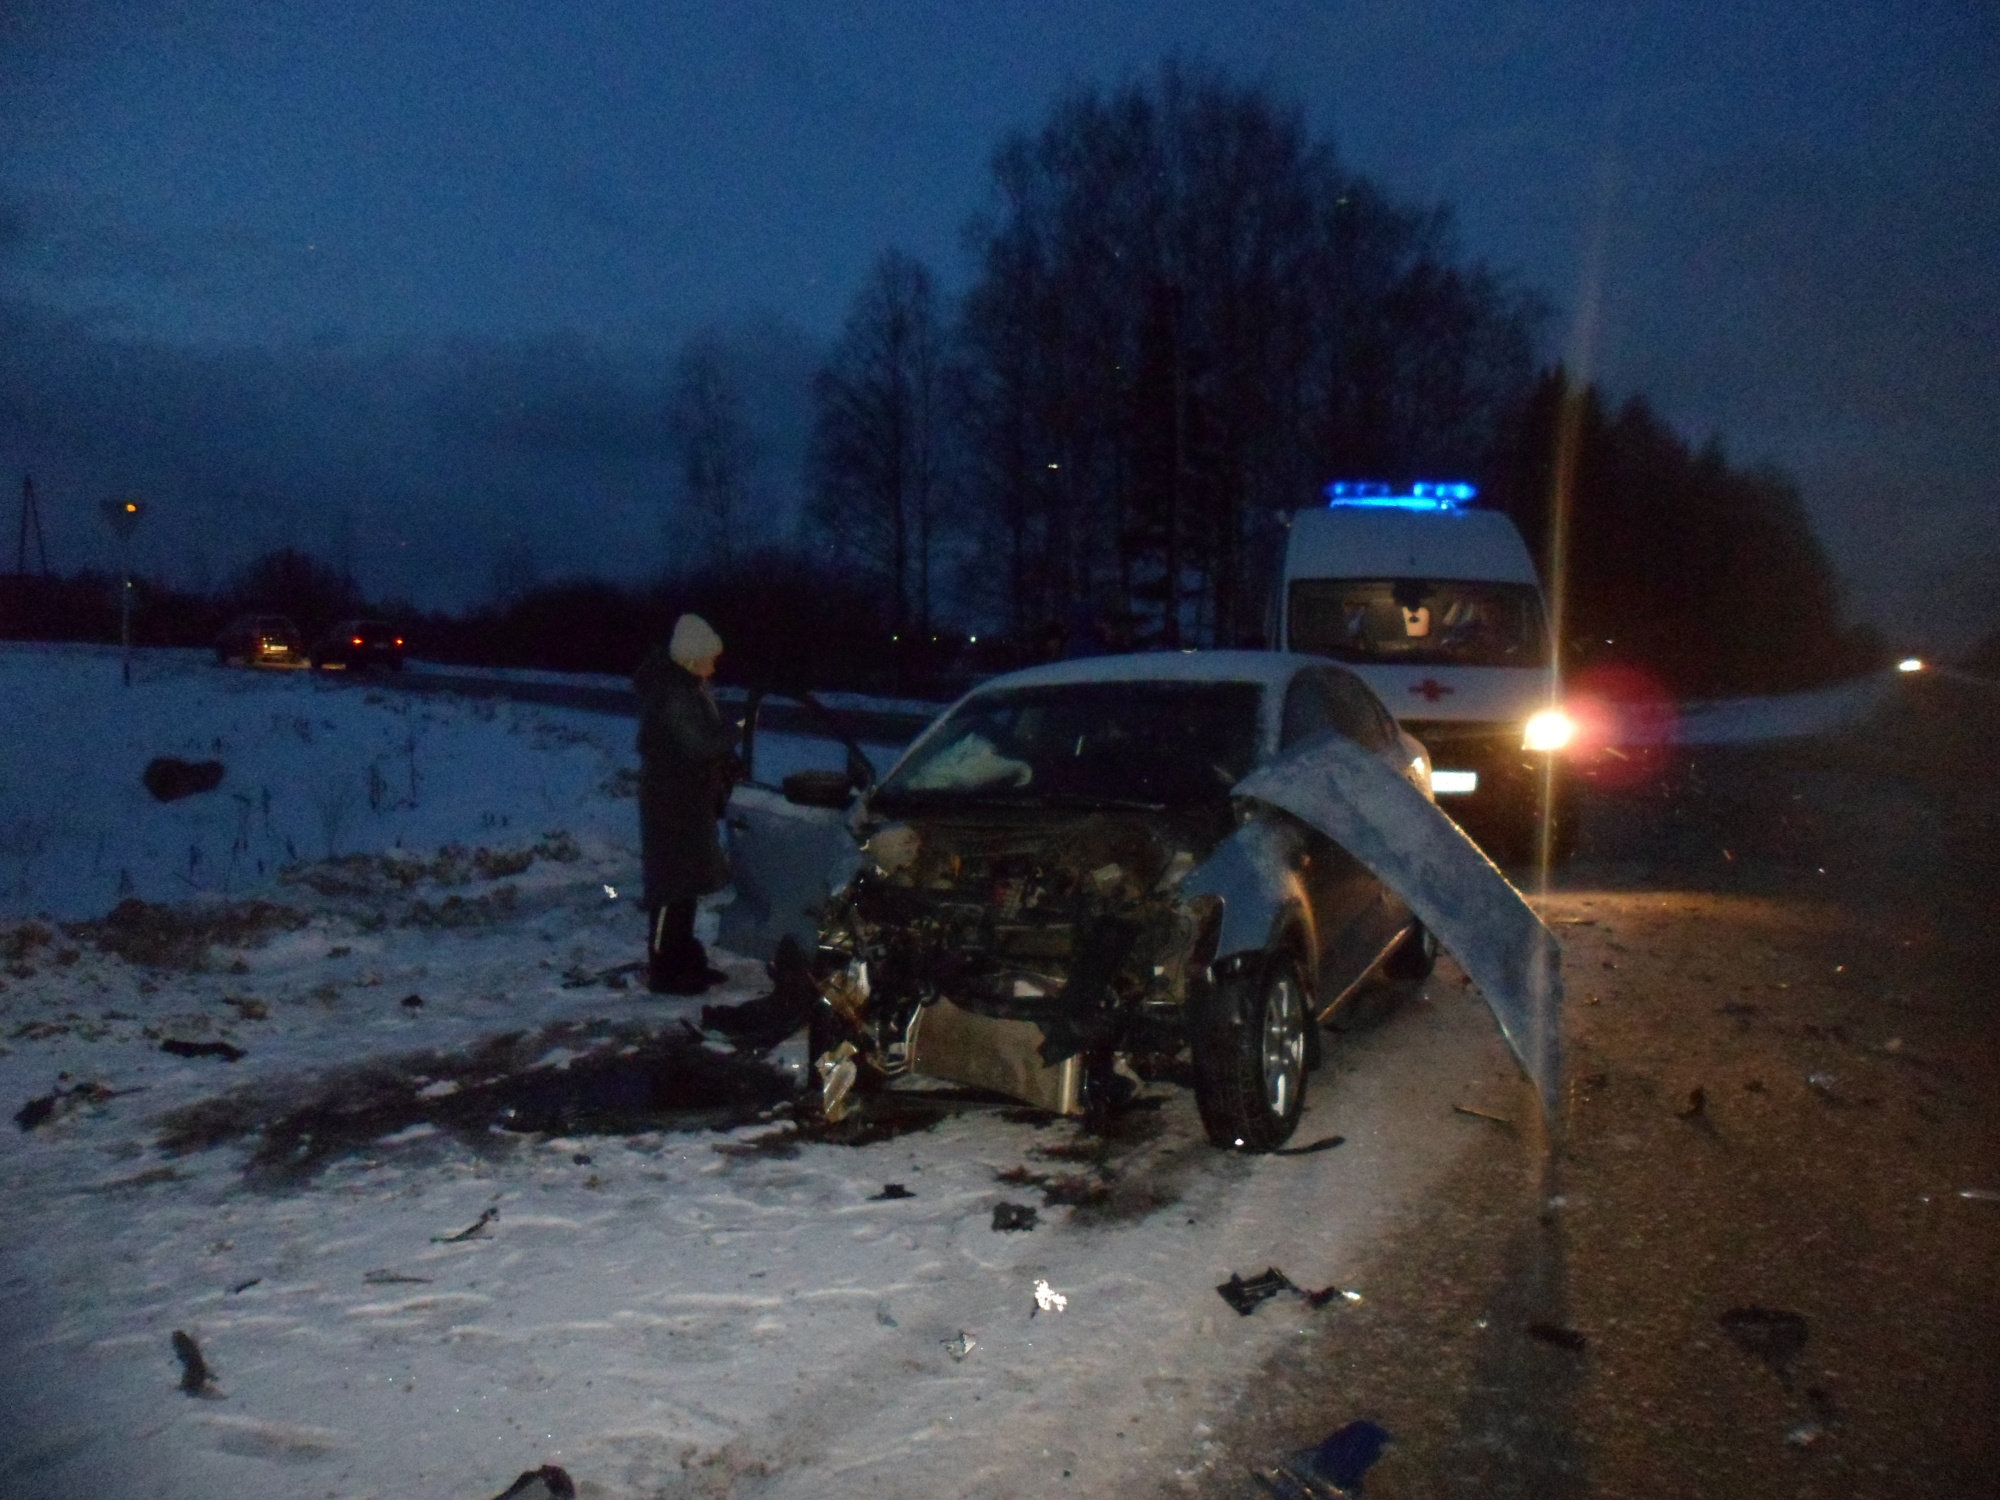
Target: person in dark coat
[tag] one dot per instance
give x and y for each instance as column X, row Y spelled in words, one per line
column 686, row 765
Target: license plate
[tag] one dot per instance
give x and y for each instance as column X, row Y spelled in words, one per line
column 1454, row 783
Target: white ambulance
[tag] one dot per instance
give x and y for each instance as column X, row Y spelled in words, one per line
column 1436, row 604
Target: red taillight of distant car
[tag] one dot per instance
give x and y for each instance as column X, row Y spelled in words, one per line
column 359, row 642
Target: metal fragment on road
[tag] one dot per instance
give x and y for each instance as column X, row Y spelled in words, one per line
column 963, row 1345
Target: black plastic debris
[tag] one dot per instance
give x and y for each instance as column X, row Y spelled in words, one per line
column 393, row 1278
column 412, row 1002
column 893, row 1190
column 45, row 1107
column 244, row 1286
column 1333, row 1470
column 759, row 1025
column 472, row 1231
column 1558, row 1336
column 223, row 1050
column 1009, row 1218
column 1324, row 1143
column 1771, row 1334
column 614, row 977
column 196, row 1377
column 549, row 1482
column 1247, row 1296
column 170, row 779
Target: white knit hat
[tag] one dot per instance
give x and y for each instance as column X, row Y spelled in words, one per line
column 694, row 640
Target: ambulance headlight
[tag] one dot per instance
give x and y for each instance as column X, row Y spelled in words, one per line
column 1551, row 729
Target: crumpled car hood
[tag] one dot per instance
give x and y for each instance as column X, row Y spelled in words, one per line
column 1031, row 914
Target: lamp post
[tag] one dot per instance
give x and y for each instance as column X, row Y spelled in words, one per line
column 123, row 515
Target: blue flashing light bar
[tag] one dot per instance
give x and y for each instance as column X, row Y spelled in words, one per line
column 1425, row 494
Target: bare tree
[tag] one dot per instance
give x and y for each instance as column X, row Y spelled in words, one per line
column 879, row 452
column 1188, row 317
column 717, row 456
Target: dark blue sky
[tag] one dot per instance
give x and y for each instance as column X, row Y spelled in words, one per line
column 1786, row 217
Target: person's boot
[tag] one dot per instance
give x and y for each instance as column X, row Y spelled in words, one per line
column 676, row 962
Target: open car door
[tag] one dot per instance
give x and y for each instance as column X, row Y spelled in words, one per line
column 787, row 856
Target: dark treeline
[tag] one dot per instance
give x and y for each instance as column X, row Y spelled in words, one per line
column 1707, row 576
column 1185, row 317
column 789, row 620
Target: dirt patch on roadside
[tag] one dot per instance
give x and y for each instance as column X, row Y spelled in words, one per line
column 571, row 1079
column 160, row 936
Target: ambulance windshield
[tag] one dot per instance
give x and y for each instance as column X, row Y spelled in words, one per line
column 1419, row 622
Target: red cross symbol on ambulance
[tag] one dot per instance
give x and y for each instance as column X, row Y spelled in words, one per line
column 1431, row 689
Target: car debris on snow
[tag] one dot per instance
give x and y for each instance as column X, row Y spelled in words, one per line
column 1332, row 1470
column 1247, row 1295
column 196, row 1377
column 549, row 1482
column 1048, row 1299
column 45, row 1107
column 472, row 1231
column 1011, row 1218
column 224, row 1050
column 961, row 1346
column 758, row 1025
column 837, row 1073
column 393, row 1278
column 891, row 1191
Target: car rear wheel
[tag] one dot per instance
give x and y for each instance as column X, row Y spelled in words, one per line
column 1250, row 1043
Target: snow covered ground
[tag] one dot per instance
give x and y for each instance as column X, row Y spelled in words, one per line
column 399, row 911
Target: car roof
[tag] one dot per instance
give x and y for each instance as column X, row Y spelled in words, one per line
column 1262, row 668
column 1269, row 671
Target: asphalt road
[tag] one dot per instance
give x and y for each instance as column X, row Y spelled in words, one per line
column 1782, row 1089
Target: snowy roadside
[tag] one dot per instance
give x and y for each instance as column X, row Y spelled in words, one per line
column 669, row 1311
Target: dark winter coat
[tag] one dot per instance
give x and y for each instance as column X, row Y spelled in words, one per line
column 686, row 758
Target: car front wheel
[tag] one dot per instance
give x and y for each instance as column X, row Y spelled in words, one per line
column 1249, row 1043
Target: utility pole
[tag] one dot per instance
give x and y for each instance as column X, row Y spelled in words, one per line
column 31, row 521
column 123, row 516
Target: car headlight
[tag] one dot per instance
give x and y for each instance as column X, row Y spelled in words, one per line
column 1551, row 729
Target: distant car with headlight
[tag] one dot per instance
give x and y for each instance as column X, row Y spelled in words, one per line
column 260, row 641
column 1437, row 605
column 1054, row 890
column 358, row 644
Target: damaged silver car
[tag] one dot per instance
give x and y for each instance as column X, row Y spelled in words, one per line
column 1053, row 892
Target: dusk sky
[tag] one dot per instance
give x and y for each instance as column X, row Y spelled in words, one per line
column 234, row 239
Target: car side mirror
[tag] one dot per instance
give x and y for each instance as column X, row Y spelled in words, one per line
column 818, row 789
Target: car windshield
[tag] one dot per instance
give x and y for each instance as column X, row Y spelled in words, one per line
column 1157, row 743
column 1419, row 622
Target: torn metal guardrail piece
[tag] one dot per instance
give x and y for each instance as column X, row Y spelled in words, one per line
column 1417, row 851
